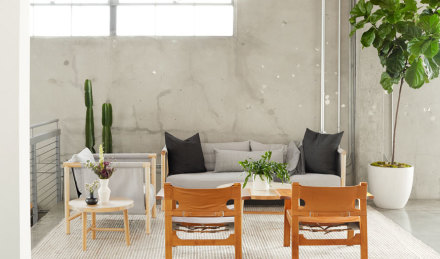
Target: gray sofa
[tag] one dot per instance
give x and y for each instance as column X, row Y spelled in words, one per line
column 212, row 179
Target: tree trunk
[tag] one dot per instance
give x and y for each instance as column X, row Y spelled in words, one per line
column 395, row 122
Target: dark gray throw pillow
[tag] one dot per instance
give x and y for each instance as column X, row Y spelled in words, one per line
column 321, row 152
column 184, row 156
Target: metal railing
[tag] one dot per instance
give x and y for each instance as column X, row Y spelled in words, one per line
column 46, row 182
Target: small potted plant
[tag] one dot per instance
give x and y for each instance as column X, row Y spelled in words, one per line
column 263, row 171
column 91, row 187
column 104, row 171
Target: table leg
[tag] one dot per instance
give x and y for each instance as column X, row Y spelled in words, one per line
column 126, row 228
column 84, row 230
column 93, row 225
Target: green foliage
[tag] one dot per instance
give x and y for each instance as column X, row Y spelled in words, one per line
column 265, row 168
column 406, row 35
column 107, row 120
column 90, row 124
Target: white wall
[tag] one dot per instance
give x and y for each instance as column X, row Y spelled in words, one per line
column 14, row 132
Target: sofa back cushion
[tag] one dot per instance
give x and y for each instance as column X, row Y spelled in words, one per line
column 209, row 154
column 184, row 156
column 257, row 146
column 227, row 160
column 321, row 152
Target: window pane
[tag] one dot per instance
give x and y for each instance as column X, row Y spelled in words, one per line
column 214, row 20
column 50, row 1
column 51, row 20
column 136, row 1
column 174, row 20
column 90, row 20
column 88, row 1
column 135, row 20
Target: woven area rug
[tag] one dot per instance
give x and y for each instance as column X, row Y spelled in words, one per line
column 262, row 238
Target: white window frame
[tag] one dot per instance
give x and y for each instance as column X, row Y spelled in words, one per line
column 115, row 3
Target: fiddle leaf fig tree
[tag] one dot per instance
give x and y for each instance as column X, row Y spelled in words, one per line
column 406, row 35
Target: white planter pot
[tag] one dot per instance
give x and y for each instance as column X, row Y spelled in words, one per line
column 258, row 184
column 103, row 191
column 391, row 187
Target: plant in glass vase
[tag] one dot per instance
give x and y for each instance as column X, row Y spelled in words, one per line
column 91, row 187
column 406, row 35
column 263, row 171
column 104, row 171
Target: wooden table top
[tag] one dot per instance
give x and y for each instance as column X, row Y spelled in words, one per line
column 277, row 191
column 115, row 204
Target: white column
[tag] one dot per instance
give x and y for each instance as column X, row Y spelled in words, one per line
column 14, row 129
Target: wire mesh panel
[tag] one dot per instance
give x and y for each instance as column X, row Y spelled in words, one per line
column 46, row 182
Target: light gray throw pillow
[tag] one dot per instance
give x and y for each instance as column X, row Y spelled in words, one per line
column 293, row 158
column 227, row 160
column 209, row 155
column 257, row 146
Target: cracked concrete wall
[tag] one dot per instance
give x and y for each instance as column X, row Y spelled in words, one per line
column 418, row 125
column 261, row 84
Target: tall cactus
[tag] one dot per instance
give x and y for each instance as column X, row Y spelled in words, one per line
column 90, row 125
column 107, row 120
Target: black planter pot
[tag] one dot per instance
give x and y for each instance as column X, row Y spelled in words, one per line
column 91, row 200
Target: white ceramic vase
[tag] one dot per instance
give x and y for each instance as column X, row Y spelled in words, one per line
column 259, row 184
column 391, row 187
column 104, row 191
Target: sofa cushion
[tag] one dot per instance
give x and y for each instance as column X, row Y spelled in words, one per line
column 318, row 180
column 184, row 156
column 209, row 155
column 205, row 180
column 213, row 180
column 257, row 146
column 227, row 160
column 321, row 152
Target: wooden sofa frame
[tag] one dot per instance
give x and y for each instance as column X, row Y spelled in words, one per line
column 150, row 177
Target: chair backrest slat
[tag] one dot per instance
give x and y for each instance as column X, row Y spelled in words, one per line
column 203, row 202
column 327, row 201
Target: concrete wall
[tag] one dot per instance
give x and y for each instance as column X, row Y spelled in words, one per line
column 262, row 84
column 418, row 124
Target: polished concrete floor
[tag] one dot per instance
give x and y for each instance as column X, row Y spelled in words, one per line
column 419, row 217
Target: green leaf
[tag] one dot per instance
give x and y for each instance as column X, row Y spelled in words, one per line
column 431, row 49
column 418, row 46
column 408, row 30
column 415, row 75
column 357, row 26
column 429, row 23
column 410, row 6
column 368, row 37
column 395, row 63
column 376, row 16
column 388, row 4
column 387, row 82
column 384, row 29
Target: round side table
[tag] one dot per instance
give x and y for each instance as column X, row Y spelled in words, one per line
column 114, row 205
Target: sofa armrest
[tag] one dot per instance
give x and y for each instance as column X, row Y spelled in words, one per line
column 343, row 165
column 163, row 166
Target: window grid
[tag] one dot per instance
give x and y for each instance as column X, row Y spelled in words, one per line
column 113, row 4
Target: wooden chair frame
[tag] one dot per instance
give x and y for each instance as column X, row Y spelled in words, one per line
column 202, row 203
column 164, row 168
column 150, row 177
column 326, row 206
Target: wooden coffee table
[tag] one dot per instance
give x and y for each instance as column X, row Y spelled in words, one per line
column 114, row 205
column 276, row 191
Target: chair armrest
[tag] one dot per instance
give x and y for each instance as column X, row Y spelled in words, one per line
column 343, row 165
